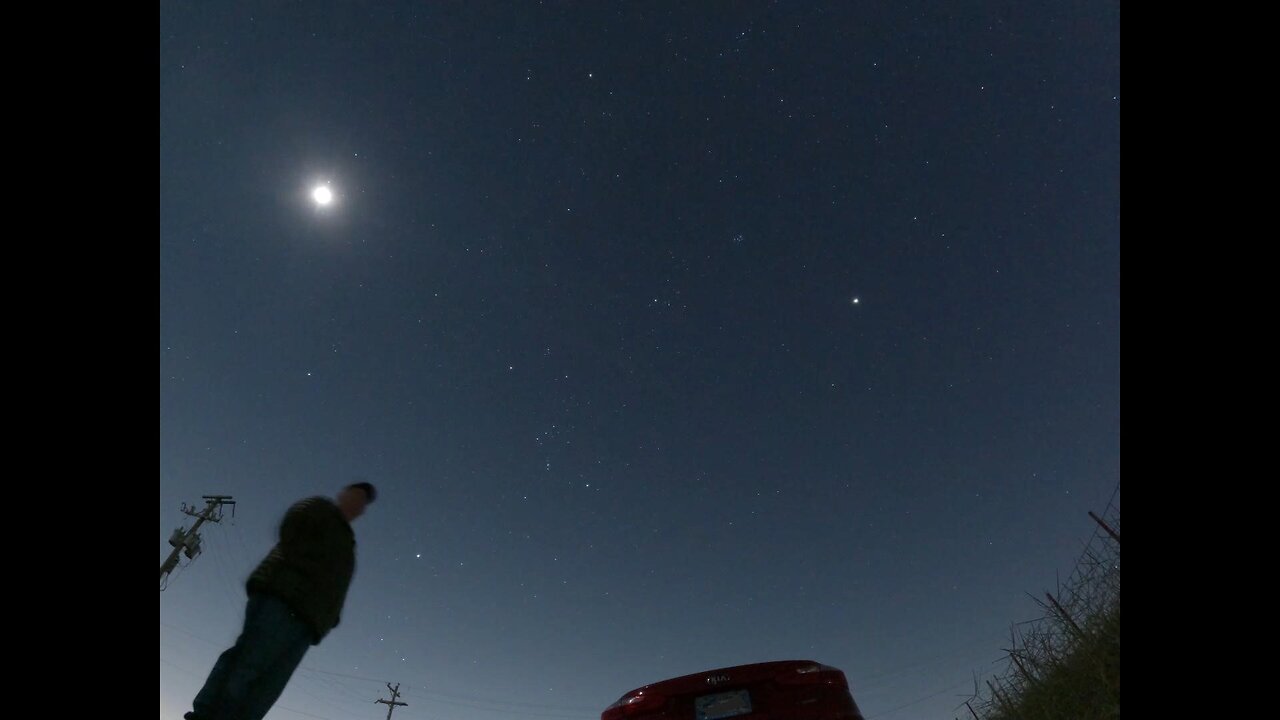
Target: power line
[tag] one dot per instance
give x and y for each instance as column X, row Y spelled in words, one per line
column 336, row 703
column 570, row 708
column 510, row 710
column 965, row 648
column 184, row 631
column 177, row 667
column 352, row 695
column 300, row 712
column 916, row 702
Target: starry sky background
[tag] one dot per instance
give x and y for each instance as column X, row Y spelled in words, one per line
column 584, row 311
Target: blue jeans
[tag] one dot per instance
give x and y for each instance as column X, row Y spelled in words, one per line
column 248, row 678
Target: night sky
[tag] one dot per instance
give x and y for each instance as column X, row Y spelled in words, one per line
column 674, row 337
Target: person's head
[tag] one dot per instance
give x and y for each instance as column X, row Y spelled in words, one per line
column 354, row 497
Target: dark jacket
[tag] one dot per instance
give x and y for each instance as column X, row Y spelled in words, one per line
column 311, row 567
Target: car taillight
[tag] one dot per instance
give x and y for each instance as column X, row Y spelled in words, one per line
column 632, row 704
column 814, row 674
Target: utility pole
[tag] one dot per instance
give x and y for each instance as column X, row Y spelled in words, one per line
column 189, row 540
column 391, row 704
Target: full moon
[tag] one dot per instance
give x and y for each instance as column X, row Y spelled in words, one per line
column 322, row 195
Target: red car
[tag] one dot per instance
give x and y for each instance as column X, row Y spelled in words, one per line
column 784, row 690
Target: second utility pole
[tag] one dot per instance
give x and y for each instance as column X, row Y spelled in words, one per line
column 391, row 704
